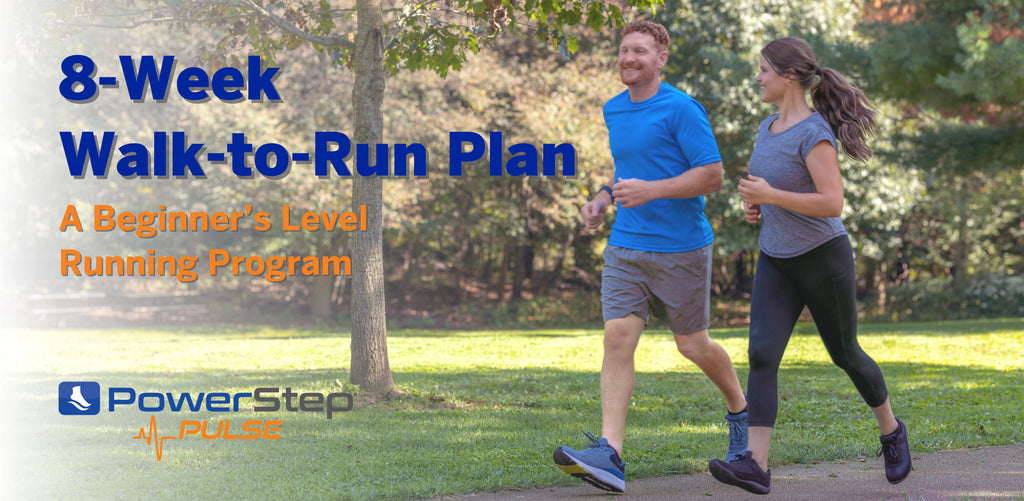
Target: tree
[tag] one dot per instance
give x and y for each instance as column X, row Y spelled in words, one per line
column 957, row 69
column 431, row 35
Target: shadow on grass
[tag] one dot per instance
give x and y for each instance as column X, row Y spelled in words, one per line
column 944, row 328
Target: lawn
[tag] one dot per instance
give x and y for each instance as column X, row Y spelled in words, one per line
column 479, row 410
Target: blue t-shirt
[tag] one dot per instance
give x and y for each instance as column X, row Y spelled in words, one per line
column 660, row 138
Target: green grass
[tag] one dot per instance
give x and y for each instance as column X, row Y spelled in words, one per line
column 480, row 410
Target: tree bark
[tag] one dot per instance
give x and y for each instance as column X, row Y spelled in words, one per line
column 958, row 269
column 370, row 368
column 321, row 303
column 740, row 283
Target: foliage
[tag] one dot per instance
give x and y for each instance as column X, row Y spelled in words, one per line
column 994, row 295
column 948, row 54
column 437, row 35
column 479, row 410
column 434, row 35
column 957, row 66
column 500, row 236
column 942, row 196
column 963, row 226
column 954, row 70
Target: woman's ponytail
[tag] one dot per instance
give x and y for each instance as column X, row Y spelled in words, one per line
column 840, row 103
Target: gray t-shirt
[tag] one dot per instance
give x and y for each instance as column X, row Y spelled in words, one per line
column 781, row 159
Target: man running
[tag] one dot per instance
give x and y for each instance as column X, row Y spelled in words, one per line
column 658, row 258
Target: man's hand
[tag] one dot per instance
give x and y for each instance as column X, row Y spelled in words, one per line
column 632, row 192
column 594, row 211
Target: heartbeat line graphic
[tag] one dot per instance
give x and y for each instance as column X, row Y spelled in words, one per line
column 152, row 438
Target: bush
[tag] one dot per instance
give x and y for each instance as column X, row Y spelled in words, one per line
column 987, row 296
column 994, row 296
column 568, row 310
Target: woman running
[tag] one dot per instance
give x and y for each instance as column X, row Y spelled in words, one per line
column 795, row 187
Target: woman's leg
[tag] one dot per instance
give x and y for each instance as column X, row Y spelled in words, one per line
column 833, row 304
column 775, row 306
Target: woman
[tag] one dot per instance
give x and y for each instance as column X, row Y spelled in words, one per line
column 795, row 187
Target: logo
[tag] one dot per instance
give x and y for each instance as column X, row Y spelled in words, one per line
column 78, row 398
column 83, row 398
column 252, row 429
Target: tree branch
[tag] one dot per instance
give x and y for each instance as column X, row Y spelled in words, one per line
column 132, row 24
column 292, row 29
column 162, row 16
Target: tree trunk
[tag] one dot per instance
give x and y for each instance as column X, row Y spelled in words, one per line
column 370, row 369
column 321, row 292
column 321, row 304
column 555, row 275
column 960, row 249
column 506, row 261
column 740, row 284
column 519, row 256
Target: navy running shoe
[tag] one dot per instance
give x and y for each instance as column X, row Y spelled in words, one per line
column 743, row 473
column 896, row 450
column 737, row 436
column 597, row 464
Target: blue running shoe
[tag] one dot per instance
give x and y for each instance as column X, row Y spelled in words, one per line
column 598, row 464
column 737, row 436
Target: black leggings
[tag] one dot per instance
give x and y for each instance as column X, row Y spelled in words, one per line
column 824, row 280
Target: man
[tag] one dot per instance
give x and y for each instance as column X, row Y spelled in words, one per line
column 658, row 258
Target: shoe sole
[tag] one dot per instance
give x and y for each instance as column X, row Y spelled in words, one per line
column 726, row 477
column 895, row 481
column 592, row 475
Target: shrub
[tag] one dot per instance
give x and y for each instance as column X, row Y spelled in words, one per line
column 986, row 296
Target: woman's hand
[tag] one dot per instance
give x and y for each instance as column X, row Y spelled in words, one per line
column 752, row 212
column 756, row 191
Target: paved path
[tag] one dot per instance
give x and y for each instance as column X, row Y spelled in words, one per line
column 991, row 473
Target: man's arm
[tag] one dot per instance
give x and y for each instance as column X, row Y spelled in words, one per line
column 594, row 211
column 695, row 182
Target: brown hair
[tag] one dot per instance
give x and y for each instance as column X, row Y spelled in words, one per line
column 841, row 104
column 655, row 30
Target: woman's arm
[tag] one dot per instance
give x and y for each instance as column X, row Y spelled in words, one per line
column 823, row 164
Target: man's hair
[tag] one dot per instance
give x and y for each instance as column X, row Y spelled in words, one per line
column 655, row 30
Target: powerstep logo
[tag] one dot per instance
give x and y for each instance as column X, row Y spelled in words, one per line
column 83, row 398
column 78, row 398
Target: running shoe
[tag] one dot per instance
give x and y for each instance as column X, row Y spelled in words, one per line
column 743, row 473
column 896, row 450
column 597, row 464
column 737, row 436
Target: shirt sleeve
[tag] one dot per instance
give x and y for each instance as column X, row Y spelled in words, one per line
column 693, row 133
column 816, row 135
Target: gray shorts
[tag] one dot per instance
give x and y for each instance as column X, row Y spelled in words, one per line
column 674, row 286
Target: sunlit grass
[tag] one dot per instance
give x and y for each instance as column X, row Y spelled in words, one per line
column 479, row 410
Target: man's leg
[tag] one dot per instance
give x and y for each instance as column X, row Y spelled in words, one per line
column 682, row 296
column 711, row 358
column 600, row 464
column 717, row 366
column 621, row 336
